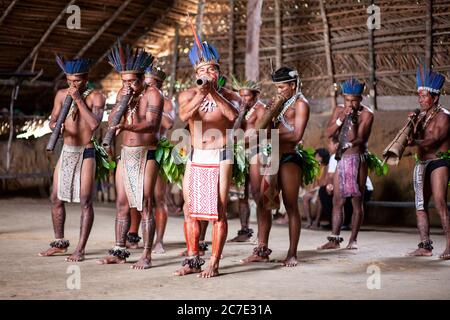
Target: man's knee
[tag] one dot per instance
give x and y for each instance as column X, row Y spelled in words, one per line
column 56, row 202
column 86, row 201
column 440, row 204
column 291, row 205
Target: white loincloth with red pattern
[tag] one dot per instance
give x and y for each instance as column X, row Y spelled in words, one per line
column 203, row 183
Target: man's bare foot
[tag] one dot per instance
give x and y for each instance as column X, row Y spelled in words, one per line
column 186, row 270
column 315, row 226
column 445, row 255
column 212, row 270
column 352, row 245
column 132, row 245
column 420, row 252
column 240, row 238
column 329, row 245
column 132, row 241
column 143, row 263
column 193, row 265
column 51, row 251
column 77, row 256
column 283, row 220
column 290, row 262
column 254, row 258
column 110, row 260
column 158, row 248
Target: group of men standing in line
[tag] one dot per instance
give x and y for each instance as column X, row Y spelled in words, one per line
column 209, row 168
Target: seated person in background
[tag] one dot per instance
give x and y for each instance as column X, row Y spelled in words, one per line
column 326, row 191
column 323, row 157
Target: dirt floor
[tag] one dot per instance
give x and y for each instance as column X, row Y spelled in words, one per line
column 25, row 229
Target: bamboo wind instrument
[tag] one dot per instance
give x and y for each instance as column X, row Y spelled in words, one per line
column 273, row 112
column 61, row 118
column 202, row 81
column 343, row 134
column 394, row 151
column 116, row 120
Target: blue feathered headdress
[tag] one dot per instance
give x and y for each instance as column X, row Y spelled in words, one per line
column 128, row 60
column 352, row 86
column 429, row 80
column 74, row 67
column 202, row 52
column 155, row 72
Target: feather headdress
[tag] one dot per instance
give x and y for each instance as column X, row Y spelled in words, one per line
column 128, row 60
column 245, row 84
column 429, row 80
column 74, row 67
column 155, row 72
column 202, row 53
column 352, row 86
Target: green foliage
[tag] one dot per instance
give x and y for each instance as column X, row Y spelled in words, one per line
column 444, row 155
column 240, row 164
column 172, row 170
column 310, row 166
column 103, row 164
column 376, row 165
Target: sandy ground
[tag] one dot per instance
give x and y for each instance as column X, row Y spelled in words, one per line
column 25, row 229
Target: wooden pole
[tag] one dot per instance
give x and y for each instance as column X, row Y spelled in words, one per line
column 98, row 33
column 7, row 11
column 429, row 33
column 123, row 35
column 231, row 39
column 372, row 68
column 14, row 94
column 199, row 18
column 330, row 67
column 44, row 37
column 278, row 39
column 173, row 74
column 254, row 8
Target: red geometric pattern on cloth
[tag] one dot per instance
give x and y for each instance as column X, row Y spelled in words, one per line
column 203, row 191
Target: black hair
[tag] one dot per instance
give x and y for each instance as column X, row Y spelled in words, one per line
column 324, row 154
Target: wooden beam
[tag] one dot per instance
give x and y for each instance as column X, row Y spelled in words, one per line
column 14, row 95
column 98, row 33
column 44, row 37
column 125, row 34
column 372, row 78
column 429, row 33
column 199, row 18
column 7, row 11
column 173, row 74
column 231, row 39
column 278, row 38
column 254, row 8
column 330, row 67
column 27, row 83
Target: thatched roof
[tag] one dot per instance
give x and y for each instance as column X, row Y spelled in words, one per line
column 398, row 45
column 39, row 27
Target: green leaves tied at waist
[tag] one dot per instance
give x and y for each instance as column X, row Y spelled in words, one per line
column 310, row 166
column 240, row 164
column 102, row 162
column 170, row 168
